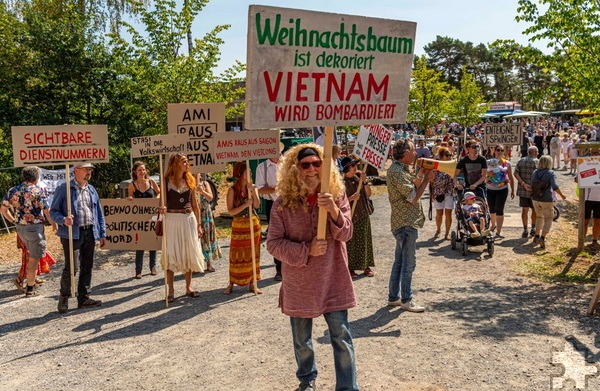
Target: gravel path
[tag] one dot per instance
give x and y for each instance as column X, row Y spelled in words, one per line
column 485, row 328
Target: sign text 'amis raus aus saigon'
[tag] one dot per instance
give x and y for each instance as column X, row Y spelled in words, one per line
column 310, row 68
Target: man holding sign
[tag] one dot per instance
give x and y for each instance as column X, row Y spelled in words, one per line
column 317, row 281
column 88, row 225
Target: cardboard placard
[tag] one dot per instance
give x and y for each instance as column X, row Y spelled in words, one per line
column 130, row 224
column 63, row 144
column 507, row 134
column 373, row 145
column 247, row 145
column 168, row 144
column 307, row 68
column 588, row 172
column 200, row 122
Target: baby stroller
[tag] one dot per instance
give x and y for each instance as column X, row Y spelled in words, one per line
column 463, row 233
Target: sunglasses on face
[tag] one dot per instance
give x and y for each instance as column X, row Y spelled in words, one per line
column 306, row 165
column 474, row 147
column 499, row 150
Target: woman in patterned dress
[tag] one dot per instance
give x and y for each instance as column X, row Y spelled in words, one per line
column 360, row 247
column 240, row 197
column 208, row 241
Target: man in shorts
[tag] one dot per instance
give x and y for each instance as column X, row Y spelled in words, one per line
column 31, row 211
column 523, row 172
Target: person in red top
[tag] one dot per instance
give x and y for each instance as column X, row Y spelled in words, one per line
column 317, row 280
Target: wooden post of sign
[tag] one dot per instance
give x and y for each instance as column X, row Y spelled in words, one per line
column 70, row 230
column 360, row 185
column 252, row 244
column 325, row 174
column 595, row 299
column 163, row 250
column 581, row 225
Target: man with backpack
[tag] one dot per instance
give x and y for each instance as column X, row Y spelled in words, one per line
column 523, row 171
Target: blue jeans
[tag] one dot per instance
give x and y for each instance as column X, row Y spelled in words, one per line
column 405, row 260
column 139, row 260
column 343, row 350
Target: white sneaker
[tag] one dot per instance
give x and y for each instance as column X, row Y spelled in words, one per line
column 395, row 303
column 485, row 232
column 475, row 234
column 412, row 307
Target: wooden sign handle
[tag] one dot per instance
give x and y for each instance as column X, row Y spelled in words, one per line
column 325, row 175
column 163, row 250
column 70, row 230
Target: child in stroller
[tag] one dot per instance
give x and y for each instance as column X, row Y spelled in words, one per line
column 473, row 213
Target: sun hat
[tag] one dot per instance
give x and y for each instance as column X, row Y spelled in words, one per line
column 469, row 195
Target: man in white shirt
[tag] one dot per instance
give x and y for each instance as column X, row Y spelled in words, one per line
column 266, row 179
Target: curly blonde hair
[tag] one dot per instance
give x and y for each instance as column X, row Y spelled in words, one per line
column 289, row 186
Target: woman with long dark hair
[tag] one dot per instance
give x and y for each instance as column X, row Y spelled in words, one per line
column 240, row 196
column 142, row 186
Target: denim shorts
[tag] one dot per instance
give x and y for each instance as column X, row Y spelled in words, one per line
column 34, row 238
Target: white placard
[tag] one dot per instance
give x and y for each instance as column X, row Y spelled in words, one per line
column 200, row 122
column 64, row 144
column 168, row 144
column 507, row 134
column 373, row 144
column 307, row 68
column 247, row 145
column 588, row 172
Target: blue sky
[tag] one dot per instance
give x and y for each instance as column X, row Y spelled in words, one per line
column 481, row 21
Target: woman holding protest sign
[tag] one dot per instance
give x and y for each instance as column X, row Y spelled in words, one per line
column 240, row 197
column 360, row 247
column 142, row 186
column 182, row 227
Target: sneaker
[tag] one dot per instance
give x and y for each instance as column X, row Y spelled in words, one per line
column 310, row 386
column 525, row 234
column 542, row 243
column 87, row 303
column 475, row 235
column 395, row 303
column 63, row 304
column 412, row 307
column 31, row 292
column 485, row 232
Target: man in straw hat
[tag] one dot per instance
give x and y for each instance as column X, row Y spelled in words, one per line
column 87, row 221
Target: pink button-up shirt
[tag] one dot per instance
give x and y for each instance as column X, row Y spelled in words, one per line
column 311, row 285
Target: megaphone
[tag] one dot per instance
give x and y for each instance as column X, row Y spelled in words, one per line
column 447, row 166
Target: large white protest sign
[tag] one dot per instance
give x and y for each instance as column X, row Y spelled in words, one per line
column 247, row 145
column 507, row 134
column 373, row 144
column 51, row 179
column 130, row 224
column 64, row 144
column 168, row 144
column 200, row 122
column 588, row 172
column 307, row 68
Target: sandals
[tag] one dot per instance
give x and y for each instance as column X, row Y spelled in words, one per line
column 153, row 271
column 257, row 291
column 19, row 284
column 369, row 273
column 39, row 280
column 228, row 290
column 138, row 276
column 353, row 274
column 209, row 268
column 193, row 294
column 170, row 298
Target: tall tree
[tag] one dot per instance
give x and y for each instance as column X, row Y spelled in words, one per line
column 155, row 71
column 464, row 105
column 572, row 29
column 427, row 102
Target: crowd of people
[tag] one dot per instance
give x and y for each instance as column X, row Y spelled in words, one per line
column 316, row 274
